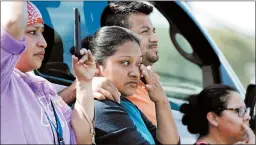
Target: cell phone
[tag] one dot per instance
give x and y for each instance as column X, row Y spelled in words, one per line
column 77, row 34
column 143, row 80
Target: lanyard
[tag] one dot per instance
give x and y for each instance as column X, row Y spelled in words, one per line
column 57, row 128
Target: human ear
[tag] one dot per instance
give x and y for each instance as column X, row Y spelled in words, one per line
column 212, row 118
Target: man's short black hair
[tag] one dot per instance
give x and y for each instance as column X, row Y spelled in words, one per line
column 116, row 13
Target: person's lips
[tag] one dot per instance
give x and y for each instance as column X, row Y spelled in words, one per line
column 40, row 55
column 133, row 83
column 153, row 46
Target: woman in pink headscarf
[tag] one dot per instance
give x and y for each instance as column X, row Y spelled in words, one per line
column 31, row 110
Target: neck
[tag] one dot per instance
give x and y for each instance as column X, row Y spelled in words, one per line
column 147, row 63
column 22, row 68
column 215, row 137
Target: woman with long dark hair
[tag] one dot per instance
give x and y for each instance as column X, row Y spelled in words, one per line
column 118, row 58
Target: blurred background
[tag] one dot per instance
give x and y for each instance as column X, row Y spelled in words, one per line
column 232, row 26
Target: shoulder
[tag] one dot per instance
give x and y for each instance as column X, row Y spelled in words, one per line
column 42, row 83
column 105, row 106
column 111, row 113
column 110, row 118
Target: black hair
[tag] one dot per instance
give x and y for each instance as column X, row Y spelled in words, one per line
column 105, row 41
column 116, row 13
column 209, row 99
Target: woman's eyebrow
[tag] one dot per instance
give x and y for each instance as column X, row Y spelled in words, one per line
column 129, row 56
column 124, row 56
column 38, row 27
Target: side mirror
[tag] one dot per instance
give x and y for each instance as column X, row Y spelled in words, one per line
column 250, row 100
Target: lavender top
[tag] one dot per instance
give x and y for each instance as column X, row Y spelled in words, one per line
column 25, row 98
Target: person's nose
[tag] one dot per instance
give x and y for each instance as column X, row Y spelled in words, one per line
column 153, row 38
column 247, row 116
column 135, row 72
column 42, row 43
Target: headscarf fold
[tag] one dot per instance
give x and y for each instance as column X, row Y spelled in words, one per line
column 34, row 15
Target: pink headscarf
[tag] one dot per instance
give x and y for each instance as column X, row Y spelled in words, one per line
column 34, row 15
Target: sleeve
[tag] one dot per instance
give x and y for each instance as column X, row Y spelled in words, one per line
column 114, row 126
column 152, row 128
column 72, row 137
column 10, row 51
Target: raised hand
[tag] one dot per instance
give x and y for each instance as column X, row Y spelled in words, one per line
column 155, row 90
column 250, row 136
column 104, row 89
column 84, row 68
column 14, row 17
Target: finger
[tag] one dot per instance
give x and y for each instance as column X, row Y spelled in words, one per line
column 118, row 99
column 84, row 56
column 99, row 96
column 83, row 51
column 83, row 59
column 114, row 91
column 146, row 76
column 151, row 73
column 90, row 56
column 149, row 87
column 106, row 94
column 74, row 60
column 149, row 68
column 246, row 128
column 249, row 133
column 157, row 76
column 142, row 67
column 91, row 59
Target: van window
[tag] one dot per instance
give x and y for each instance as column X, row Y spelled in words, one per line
column 179, row 76
column 59, row 34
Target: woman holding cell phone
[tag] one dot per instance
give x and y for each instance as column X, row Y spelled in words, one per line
column 31, row 110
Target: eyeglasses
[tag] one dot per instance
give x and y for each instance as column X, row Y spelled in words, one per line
column 241, row 111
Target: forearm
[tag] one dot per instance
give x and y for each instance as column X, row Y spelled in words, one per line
column 79, row 122
column 69, row 94
column 166, row 132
